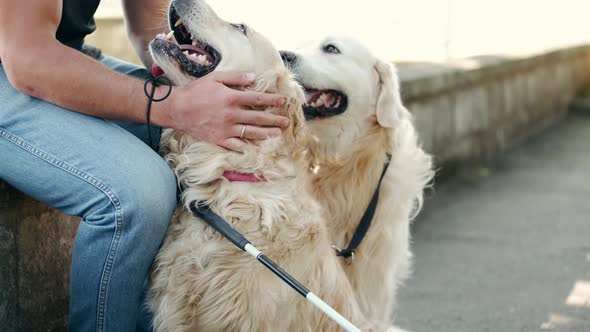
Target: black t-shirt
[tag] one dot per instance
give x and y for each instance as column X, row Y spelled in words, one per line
column 77, row 21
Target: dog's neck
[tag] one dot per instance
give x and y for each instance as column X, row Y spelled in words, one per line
column 200, row 165
column 351, row 177
column 253, row 208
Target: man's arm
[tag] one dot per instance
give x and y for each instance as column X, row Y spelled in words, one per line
column 38, row 65
column 145, row 19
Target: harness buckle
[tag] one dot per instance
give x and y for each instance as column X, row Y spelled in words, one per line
column 348, row 258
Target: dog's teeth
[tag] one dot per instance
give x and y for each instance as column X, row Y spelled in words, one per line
column 202, row 59
column 320, row 101
column 170, row 35
column 194, row 43
column 179, row 22
column 337, row 104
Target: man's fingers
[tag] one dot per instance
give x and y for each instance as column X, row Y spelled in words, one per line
column 234, row 78
column 258, row 99
column 234, row 144
column 261, row 119
column 255, row 132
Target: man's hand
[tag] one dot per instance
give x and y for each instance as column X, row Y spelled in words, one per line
column 209, row 110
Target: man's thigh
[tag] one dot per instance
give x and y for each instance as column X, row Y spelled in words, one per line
column 93, row 168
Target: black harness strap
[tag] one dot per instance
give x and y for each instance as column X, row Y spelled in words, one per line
column 365, row 223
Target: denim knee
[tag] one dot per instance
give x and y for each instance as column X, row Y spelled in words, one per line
column 149, row 199
column 140, row 200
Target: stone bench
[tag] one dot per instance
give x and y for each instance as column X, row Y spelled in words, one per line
column 35, row 250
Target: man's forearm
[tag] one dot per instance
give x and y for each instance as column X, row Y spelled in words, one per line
column 74, row 81
column 145, row 19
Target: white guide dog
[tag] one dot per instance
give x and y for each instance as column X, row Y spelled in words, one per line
column 357, row 118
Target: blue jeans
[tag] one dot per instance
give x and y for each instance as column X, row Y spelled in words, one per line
column 104, row 172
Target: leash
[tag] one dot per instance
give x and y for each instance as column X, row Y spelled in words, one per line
column 231, row 234
column 155, row 82
column 365, row 223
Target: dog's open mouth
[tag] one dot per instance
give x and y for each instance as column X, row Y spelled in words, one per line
column 194, row 56
column 323, row 103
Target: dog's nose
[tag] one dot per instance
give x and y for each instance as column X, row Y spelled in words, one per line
column 288, row 57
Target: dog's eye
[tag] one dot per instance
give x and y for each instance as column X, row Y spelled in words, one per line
column 331, row 49
column 241, row 28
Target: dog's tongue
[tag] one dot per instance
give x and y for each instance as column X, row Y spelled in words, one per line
column 313, row 96
column 330, row 101
column 157, row 70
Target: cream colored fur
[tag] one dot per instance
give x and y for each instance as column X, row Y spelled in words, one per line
column 202, row 282
column 349, row 152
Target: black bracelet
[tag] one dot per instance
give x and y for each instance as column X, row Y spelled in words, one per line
column 155, row 82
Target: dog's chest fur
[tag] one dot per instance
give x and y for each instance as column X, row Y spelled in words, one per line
column 279, row 217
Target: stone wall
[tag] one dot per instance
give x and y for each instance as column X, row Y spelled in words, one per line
column 465, row 112
column 35, row 249
column 470, row 111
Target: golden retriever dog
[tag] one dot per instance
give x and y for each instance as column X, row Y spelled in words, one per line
column 202, row 282
column 357, row 119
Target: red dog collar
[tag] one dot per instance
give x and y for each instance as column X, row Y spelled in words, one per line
column 234, row 176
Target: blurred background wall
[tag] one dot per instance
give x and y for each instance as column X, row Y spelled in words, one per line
column 417, row 30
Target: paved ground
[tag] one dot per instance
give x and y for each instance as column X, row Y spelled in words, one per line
column 509, row 249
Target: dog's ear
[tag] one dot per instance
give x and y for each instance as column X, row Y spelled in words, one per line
column 389, row 103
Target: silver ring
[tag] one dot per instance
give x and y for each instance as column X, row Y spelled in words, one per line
column 243, row 131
